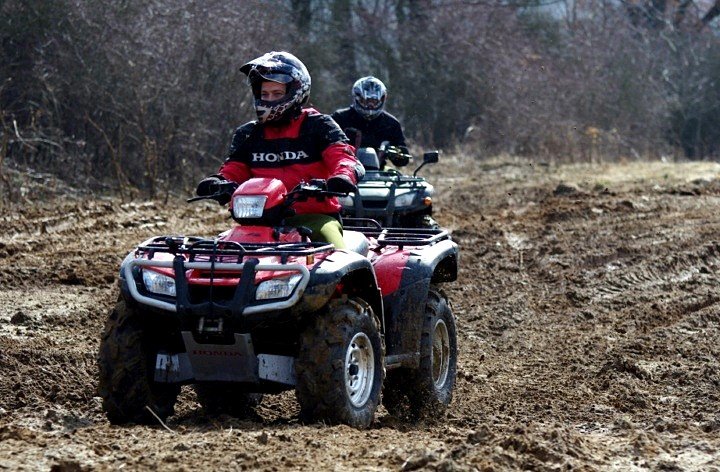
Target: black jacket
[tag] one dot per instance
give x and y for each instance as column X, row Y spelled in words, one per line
column 383, row 127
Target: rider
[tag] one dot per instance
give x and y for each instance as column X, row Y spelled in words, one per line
column 292, row 144
column 367, row 124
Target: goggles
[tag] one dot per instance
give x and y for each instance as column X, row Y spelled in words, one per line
column 370, row 103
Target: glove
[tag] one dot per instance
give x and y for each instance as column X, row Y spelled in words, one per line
column 208, row 186
column 398, row 155
column 319, row 183
column 217, row 188
column 340, row 184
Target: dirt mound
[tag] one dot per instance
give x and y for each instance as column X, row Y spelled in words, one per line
column 588, row 320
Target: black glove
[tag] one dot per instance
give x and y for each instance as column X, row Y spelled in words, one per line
column 319, row 183
column 398, row 155
column 340, row 184
column 208, row 186
column 217, row 188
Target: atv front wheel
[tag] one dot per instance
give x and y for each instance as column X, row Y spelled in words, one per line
column 419, row 221
column 218, row 397
column 340, row 368
column 126, row 363
column 425, row 392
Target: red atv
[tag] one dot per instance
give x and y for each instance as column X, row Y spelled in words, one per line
column 262, row 309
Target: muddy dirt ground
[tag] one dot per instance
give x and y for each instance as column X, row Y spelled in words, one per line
column 588, row 308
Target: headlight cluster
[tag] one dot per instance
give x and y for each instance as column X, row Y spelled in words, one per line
column 277, row 288
column 158, row 283
column 248, row 206
column 404, row 200
column 346, row 201
column 281, row 287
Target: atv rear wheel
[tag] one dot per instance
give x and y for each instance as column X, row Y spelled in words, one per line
column 218, row 397
column 340, row 368
column 425, row 392
column 126, row 363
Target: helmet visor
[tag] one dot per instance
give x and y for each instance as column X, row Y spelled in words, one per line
column 370, row 103
column 261, row 73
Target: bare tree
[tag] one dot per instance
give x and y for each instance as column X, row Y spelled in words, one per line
column 660, row 14
column 143, row 97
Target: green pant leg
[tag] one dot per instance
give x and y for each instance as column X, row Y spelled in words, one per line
column 324, row 228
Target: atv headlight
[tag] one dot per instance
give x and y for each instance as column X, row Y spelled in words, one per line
column 277, row 288
column 404, row 200
column 248, row 206
column 158, row 283
column 346, row 201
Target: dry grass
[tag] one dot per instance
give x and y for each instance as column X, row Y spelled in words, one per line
column 466, row 166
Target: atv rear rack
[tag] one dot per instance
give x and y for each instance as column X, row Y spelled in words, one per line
column 396, row 236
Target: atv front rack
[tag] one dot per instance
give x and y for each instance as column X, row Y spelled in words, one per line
column 396, row 236
column 238, row 306
column 388, row 175
column 194, row 247
column 217, row 254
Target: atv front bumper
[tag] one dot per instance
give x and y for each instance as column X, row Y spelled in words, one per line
column 241, row 301
column 234, row 362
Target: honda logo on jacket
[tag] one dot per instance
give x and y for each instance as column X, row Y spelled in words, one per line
column 281, row 156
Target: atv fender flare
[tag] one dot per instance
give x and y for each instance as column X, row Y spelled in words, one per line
column 436, row 263
column 348, row 273
column 404, row 298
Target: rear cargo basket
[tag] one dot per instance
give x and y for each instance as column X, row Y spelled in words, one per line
column 396, row 236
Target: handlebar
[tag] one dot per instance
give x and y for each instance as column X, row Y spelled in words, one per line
column 222, row 192
column 395, row 152
column 316, row 188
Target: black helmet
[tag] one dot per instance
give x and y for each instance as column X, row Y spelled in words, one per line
column 369, row 96
column 284, row 68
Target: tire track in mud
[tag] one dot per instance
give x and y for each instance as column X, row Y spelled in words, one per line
column 611, row 271
column 86, row 246
column 588, row 327
column 658, row 276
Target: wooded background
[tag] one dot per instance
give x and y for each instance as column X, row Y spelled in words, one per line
column 141, row 98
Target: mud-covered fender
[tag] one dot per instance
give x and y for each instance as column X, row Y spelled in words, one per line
column 402, row 268
column 350, row 273
column 404, row 278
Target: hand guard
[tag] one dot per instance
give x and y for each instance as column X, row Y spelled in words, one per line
column 208, row 186
column 216, row 188
column 340, row 184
